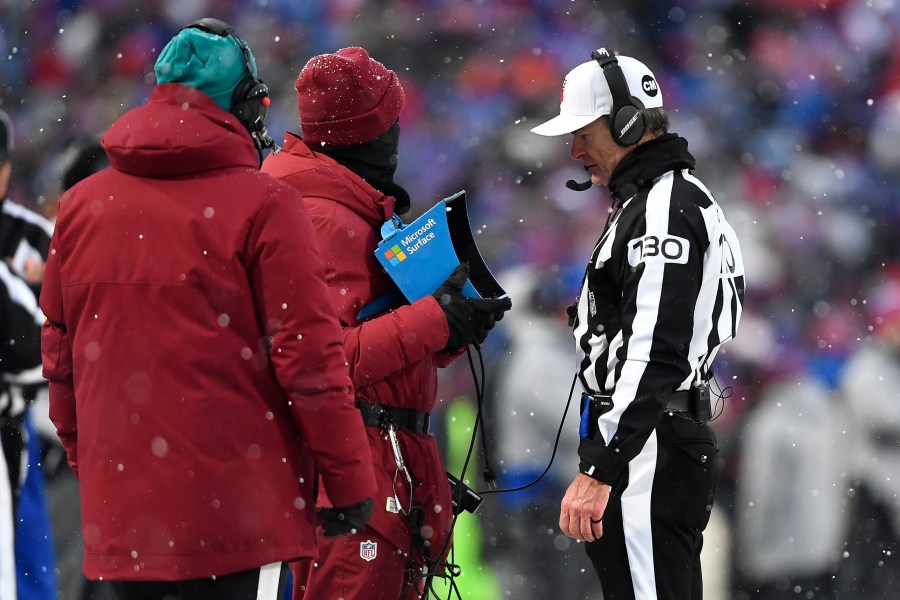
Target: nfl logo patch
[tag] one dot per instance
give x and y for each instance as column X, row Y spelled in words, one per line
column 368, row 550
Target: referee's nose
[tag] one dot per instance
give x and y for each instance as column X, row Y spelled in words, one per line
column 577, row 149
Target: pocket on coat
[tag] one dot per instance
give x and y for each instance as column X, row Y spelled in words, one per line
column 56, row 352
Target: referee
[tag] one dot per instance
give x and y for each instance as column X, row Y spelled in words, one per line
column 662, row 291
column 20, row 350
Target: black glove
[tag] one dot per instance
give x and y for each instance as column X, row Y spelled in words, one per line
column 341, row 521
column 469, row 319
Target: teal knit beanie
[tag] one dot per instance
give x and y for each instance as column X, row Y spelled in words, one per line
column 211, row 63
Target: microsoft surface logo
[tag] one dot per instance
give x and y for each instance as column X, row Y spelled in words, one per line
column 395, row 255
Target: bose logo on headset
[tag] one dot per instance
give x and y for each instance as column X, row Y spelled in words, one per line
column 629, row 124
column 250, row 100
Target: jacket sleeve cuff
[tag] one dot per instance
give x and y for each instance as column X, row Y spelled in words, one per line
column 426, row 316
column 599, row 462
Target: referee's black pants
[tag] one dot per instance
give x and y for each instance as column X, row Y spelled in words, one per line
column 264, row 583
column 653, row 528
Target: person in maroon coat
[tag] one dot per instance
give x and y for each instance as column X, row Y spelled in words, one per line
column 343, row 166
column 197, row 371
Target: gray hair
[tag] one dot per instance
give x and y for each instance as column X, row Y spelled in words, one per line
column 656, row 121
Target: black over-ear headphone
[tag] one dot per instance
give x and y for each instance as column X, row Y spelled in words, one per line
column 626, row 121
column 250, row 100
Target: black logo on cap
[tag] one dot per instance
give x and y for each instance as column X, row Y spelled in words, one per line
column 648, row 84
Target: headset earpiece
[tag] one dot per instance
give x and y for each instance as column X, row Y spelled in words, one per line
column 626, row 121
column 250, row 103
column 630, row 120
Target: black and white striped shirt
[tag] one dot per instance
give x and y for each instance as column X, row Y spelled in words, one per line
column 20, row 338
column 23, row 234
column 663, row 290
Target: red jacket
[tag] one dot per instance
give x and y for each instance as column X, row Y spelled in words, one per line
column 197, row 374
column 393, row 357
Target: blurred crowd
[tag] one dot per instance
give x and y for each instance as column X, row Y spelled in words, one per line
column 792, row 108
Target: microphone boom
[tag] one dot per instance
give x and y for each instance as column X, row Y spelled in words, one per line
column 579, row 187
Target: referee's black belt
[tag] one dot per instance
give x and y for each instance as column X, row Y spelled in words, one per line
column 693, row 404
column 385, row 417
column 680, row 401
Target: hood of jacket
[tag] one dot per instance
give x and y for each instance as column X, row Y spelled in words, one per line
column 180, row 131
column 323, row 177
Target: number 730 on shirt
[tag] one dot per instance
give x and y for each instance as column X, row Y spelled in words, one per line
column 671, row 248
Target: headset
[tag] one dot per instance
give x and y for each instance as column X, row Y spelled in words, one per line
column 250, row 100
column 626, row 121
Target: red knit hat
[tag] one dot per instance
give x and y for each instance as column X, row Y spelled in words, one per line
column 346, row 98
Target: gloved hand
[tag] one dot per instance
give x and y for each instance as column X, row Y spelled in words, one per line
column 469, row 319
column 341, row 521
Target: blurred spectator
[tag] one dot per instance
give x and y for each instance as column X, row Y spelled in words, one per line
column 871, row 386
column 792, row 516
column 535, row 560
column 80, row 157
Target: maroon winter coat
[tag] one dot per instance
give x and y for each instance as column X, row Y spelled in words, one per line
column 393, row 357
column 197, row 376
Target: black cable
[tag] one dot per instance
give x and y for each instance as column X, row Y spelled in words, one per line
column 721, row 395
column 552, row 455
column 434, row 566
column 489, row 475
column 454, row 570
column 451, row 570
column 478, row 400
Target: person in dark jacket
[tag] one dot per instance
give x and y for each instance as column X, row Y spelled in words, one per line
column 197, row 377
column 344, row 166
column 82, row 156
column 662, row 291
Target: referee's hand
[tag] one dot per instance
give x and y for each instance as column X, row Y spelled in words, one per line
column 582, row 508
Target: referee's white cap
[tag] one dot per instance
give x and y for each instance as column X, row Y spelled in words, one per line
column 586, row 97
